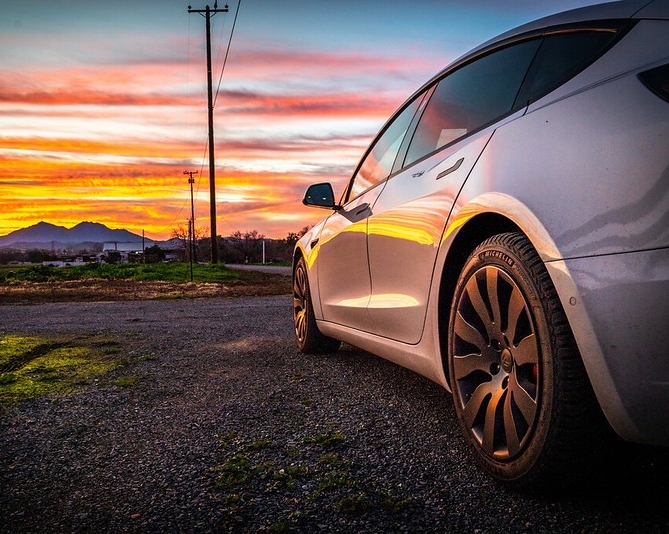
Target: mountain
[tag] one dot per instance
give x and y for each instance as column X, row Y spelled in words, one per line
column 46, row 235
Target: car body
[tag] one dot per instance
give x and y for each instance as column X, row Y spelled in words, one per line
column 507, row 236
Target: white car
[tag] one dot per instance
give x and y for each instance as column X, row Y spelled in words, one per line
column 507, row 236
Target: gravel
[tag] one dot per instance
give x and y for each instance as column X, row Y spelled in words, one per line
column 230, row 429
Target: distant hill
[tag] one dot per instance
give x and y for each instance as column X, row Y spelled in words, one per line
column 46, row 235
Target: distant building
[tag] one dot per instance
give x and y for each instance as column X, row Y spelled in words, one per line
column 137, row 246
column 131, row 251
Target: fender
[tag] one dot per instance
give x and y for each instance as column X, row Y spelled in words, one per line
column 522, row 217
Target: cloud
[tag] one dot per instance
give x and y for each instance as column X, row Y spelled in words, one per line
column 106, row 136
column 91, row 97
column 343, row 104
column 266, row 64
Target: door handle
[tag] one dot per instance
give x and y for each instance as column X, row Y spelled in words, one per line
column 362, row 208
column 451, row 169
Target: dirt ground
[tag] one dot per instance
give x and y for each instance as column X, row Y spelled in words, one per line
column 252, row 283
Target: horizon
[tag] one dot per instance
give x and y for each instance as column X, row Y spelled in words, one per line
column 101, row 113
column 147, row 237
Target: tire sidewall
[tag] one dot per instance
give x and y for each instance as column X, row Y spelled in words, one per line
column 303, row 344
column 500, row 254
column 314, row 341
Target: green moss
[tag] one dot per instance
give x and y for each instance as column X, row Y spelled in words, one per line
column 354, row 504
column 32, row 366
column 329, row 438
column 235, row 471
column 127, row 381
column 12, row 347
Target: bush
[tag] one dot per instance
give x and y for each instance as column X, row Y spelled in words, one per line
column 39, row 273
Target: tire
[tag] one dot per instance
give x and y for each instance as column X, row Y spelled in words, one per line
column 308, row 336
column 519, row 386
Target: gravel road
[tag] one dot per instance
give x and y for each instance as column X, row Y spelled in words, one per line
column 230, row 429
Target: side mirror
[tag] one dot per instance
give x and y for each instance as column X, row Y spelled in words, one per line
column 320, row 196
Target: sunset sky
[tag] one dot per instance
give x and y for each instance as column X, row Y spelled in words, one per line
column 103, row 104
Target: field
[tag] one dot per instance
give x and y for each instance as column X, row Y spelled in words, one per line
column 108, row 282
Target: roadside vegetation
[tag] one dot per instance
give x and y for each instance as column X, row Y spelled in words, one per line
column 133, row 281
column 165, row 272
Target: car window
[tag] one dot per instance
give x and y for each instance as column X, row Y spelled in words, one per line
column 562, row 56
column 379, row 160
column 471, row 97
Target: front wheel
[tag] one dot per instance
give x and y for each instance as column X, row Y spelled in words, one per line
column 519, row 386
column 309, row 338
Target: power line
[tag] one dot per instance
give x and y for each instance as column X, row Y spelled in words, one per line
column 227, row 51
column 225, row 60
column 207, row 13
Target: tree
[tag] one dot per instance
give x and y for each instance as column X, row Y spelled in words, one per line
column 293, row 237
column 181, row 234
column 112, row 256
column 154, row 254
column 249, row 244
column 8, row 255
column 38, row 256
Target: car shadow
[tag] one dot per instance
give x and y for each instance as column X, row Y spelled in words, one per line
column 623, row 479
column 631, row 475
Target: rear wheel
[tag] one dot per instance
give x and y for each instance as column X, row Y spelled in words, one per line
column 519, row 386
column 308, row 336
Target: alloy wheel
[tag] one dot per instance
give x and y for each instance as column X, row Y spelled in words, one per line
column 300, row 303
column 496, row 363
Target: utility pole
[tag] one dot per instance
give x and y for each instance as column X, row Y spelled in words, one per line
column 191, row 224
column 207, row 13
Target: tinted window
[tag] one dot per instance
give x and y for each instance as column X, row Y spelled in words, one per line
column 379, row 161
column 471, row 97
column 561, row 57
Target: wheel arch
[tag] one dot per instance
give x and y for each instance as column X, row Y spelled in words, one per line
column 297, row 254
column 479, row 219
column 469, row 236
column 303, row 249
column 495, row 213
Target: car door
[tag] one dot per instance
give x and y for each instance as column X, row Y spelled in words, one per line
column 344, row 283
column 405, row 229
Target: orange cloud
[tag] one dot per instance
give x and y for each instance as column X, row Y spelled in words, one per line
column 109, row 142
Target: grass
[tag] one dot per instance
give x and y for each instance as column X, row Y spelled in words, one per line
column 328, row 438
column 127, row 382
column 297, row 483
column 34, row 366
column 36, row 284
column 151, row 272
